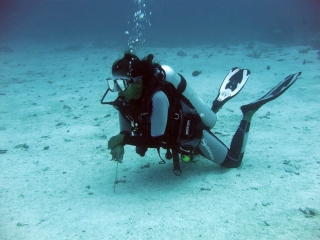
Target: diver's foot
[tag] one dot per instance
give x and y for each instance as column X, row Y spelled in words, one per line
column 272, row 94
column 230, row 87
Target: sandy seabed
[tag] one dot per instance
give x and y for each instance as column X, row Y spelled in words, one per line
column 57, row 180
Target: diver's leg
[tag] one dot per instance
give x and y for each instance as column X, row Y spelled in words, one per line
column 210, row 145
column 215, row 150
column 239, row 140
column 238, row 143
column 212, row 148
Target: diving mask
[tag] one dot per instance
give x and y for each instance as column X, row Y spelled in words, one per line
column 119, row 85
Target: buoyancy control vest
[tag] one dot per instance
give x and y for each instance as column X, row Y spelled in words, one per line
column 184, row 125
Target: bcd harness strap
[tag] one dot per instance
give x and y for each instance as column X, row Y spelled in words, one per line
column 172, row 154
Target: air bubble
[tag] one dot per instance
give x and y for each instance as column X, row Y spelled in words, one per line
column 139, row 22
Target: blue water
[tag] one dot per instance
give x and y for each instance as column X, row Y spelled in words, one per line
column 173, row 22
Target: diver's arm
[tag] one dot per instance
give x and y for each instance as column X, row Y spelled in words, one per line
column 125, row 125
column 158, row 119
column 125, row 129
column 159, row 115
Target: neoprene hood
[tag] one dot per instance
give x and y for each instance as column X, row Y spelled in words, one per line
column 127, row 67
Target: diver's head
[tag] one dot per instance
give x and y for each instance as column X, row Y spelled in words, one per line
column 133, row 71
column 127, row 67
column 129, row 73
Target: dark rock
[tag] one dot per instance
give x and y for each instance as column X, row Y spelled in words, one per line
column 181, row 54
column 22, row 146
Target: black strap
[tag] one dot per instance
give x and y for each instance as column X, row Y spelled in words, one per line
column 176, row 163
column 182, row 85
column 162, row 161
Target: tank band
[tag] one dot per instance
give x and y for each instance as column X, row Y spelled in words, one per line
column 182, row 85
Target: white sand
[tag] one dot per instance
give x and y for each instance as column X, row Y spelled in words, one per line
column 50, row 99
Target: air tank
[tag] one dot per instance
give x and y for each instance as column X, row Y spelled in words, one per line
column 208, row 117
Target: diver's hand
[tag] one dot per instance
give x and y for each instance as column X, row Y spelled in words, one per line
column 115, row 140
column 117, row 153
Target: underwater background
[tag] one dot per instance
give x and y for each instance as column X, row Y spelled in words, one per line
column 57, row 179
column 164, row 23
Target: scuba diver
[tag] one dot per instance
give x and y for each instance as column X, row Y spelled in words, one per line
column 158, row 110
